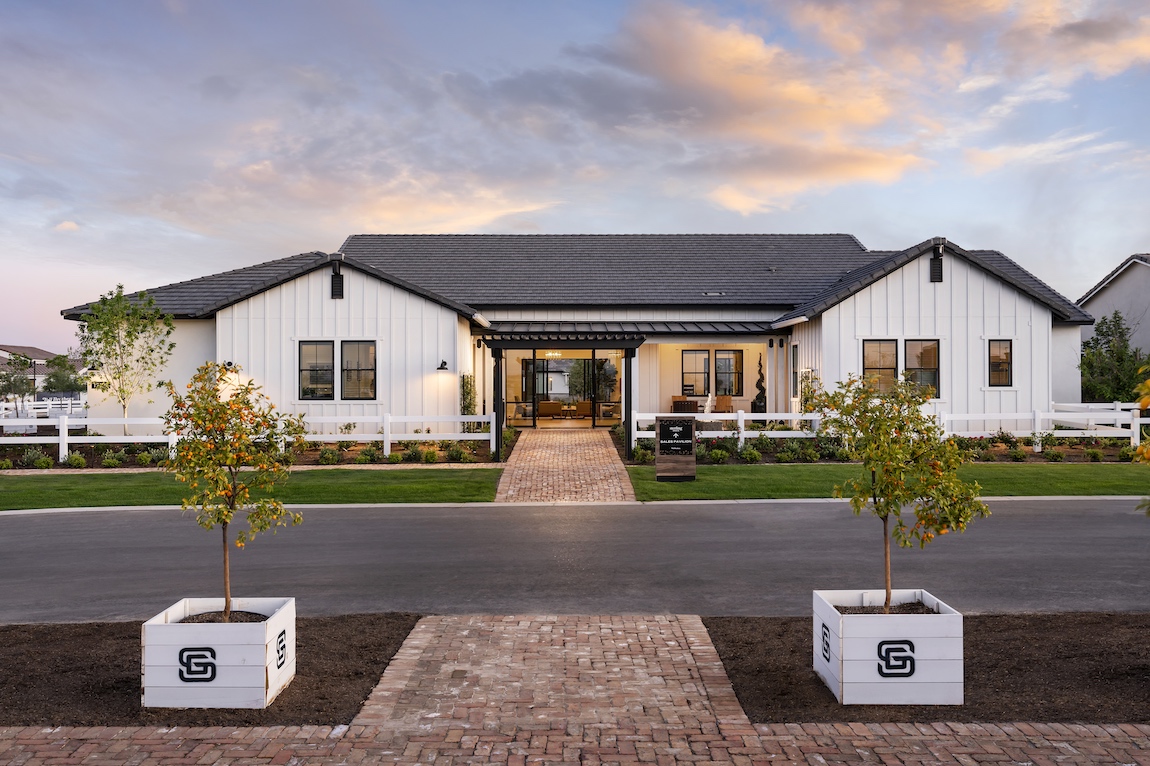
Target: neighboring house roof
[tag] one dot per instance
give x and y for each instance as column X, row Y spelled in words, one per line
column 1142, row 259
column 32, row 352
column 885, row 263
column 487, row 270
column 202, row 297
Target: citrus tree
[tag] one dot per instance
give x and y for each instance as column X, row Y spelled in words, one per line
column 232, row 450
column 906, row 461
column 1143, row 453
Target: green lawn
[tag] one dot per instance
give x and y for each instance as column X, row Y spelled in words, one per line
column 321, row 486
column 730, row 482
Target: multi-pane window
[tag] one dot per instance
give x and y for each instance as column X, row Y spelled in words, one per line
column 357, row 361
column 729, row 373
column 922, row 364
column 1001, row 368
column 696, row 373
column 316, row 369
column 880, row 360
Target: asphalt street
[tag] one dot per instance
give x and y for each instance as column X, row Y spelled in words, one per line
column 748, row 558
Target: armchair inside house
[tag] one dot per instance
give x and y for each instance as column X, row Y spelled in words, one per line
column 724, row 404
column 683, row 404
column 550, row 410
column 583, row 409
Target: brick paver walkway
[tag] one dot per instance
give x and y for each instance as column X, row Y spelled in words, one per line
column 564, row 465
column 572, row 690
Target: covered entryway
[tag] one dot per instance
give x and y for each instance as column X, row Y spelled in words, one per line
column 563, row 387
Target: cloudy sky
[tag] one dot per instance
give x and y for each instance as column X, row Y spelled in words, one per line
column 149, row 142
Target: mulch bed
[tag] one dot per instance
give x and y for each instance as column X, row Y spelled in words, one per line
column 88, row 674
column 1054, row 668
column 1086, row 668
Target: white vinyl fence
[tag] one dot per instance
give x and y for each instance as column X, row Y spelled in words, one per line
column 15, row 428
column 1118, row 420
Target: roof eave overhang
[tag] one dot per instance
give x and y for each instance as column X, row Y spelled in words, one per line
column 790, row 322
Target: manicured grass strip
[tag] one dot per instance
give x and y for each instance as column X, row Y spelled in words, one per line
column 732, row 482
column 324, row 486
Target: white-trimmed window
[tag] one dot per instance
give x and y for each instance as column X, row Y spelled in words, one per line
column 357, row 366
column 316, row 370
column 1001, row 363
column 880, row 361
column 922, row 364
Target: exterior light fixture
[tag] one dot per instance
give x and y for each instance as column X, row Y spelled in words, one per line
column 442, row 366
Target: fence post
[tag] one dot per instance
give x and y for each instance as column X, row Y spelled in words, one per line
column 386, row 434
column 741, row 429
column 1136, row 431
column 62, row 425
column 491, row 420
column 1036, row 431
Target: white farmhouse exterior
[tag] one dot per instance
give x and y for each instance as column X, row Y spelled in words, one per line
column 579, row 330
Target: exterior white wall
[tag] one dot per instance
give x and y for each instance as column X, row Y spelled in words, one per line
column 195, row 341
column 1129, row 293
column 1066, row 353
column 638, row 314
column 412, row 336
column 963, row 312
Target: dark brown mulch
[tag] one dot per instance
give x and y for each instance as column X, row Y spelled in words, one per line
column 88, row 674
column 1059, row 668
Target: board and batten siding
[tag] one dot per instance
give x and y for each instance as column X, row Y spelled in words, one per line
column 964, row 312
column 412, row 336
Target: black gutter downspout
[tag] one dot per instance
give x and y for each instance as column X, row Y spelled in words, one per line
column 629, row 403
column 497, row 403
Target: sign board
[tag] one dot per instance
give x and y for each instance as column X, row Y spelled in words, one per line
column 675, row 449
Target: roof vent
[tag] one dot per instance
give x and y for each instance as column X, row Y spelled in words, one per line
column 336, row 281
column 936, row 264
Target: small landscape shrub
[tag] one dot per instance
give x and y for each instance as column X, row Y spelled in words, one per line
column 362, row 459
column 644, row 456
column 446, row 444
column 431, row 456
column 30, row 456
column 1017, row 455
column 765, row 445
column 618, row 432
column 144, row 458
column 987, row 456
column 454, row 453
column 43, row 463
column 5, row 465
column 787, row 454
column 719, row 456
column 110, row 461
column 394, row 458
column 328, row 456
column 1093, row 455
column 1054, row 455
column 75, row 460
column 369, row 454
column 647, row 444
column 1126, row 454
column 160, row 454
column 750, row 455
column 1006, row 439
column 344, row 446
column 413, row 455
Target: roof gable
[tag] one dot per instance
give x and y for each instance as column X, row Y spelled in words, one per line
column 990, row 261
column 1140, row 259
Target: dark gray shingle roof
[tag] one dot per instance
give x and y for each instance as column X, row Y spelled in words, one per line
column 888, row 261
column 1136, row 258
column 485, row 270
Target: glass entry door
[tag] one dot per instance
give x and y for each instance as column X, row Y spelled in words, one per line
column 567, row 387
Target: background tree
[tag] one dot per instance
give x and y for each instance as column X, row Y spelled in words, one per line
column 905, row 459
column 229, row 455
column 16, row 379
column 62, row 377
column 125, row 343
column 1109, row 365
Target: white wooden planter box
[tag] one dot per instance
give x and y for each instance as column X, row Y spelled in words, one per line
column 209, row 665
column 888, row 659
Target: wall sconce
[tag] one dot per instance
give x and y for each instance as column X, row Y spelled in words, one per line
column 442, row 366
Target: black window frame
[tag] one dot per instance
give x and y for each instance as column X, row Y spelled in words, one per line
column 330, row 345
column 914, row 373
column 706, row 373
column 894, row 343
column 344, row 370
column 735, row 375
column 1008, row 366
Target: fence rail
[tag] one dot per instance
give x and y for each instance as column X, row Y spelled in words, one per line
column 1117, row 420
column 65, row 424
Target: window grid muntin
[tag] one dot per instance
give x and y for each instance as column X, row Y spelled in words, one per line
column 316, row 370
column 922, row 372
column 728, row 372
column 696, row 381
column 358, row 364
column 880, row 359
column 1000, row 363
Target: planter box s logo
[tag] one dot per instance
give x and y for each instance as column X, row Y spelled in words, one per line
column 896, row 659
column 281, row 649
column 196, row 665
column 826, row 643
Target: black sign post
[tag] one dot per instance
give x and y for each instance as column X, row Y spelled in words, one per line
column 675, row 449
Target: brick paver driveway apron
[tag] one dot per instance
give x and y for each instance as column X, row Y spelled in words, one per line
column 578, row 465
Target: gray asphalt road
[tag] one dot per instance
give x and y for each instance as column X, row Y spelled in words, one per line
column 760, row 558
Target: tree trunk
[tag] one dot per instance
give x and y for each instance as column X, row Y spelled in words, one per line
column 124, row 409
column 886, row 561
column 227, row 576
